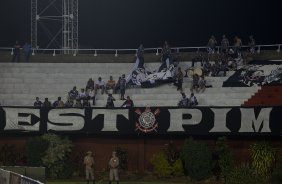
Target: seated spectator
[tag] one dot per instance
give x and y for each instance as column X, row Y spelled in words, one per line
column 85, row 103
column 37, row 102
column 110, row 101
column 179, row 79
column 77, row 103
column 202, row 84
column 111, row 84
column 195, row 84
column 90, row 84
column 100, row 84
column 73, row 94
column 193, row 100
column 128, row 103
column 69, row 103
column 82, row 95
column 91, row 96
column 184, row 101
column 59, row 103
column 46, row 103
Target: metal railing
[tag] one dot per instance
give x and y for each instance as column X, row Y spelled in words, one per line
column 156, row 50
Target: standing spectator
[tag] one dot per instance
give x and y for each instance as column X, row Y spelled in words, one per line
column 237, row 44
column 100, row 84
column 110, row 101
column 193, row 100
column 91, row 96
column 140, row 57
column 17, row 52
column 202, row 84
column 224, row 44
column 184, row 101
column 111, row 84
column 122, row 86
column 27, row 51
column 114, row 164
column 179, row 79
column 89, row 165
column 252, row 44
column 195, row 84
column 166, row 57
column 90, row 84
column 73, row 94
column 59, row 103
column 117, row 85
column 211, row 45
column 128, row 103
column 46, row 103
column 37, row 102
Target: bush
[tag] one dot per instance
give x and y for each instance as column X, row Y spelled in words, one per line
column 177, row 168
column 57, row 155
column 277, row 172
column 161, row 165
column 197, row 159
column 242, row 175
column 225, row 158
column 35, row 150
column 122, row 154
column 263, row 156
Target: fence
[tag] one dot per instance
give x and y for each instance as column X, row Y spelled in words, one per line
column 9, row 177
column 157, row 50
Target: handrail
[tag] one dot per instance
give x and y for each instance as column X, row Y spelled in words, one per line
column 156, row 49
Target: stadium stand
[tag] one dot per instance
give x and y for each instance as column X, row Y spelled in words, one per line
column 21, row 82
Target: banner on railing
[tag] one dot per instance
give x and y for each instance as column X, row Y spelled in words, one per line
column 143, row 120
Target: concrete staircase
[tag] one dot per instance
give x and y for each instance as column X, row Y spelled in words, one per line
column 20, row 83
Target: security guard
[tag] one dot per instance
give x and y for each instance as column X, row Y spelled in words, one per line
column 113, row 164
column 89, row 164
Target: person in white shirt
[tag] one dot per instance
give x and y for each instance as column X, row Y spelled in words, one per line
column 100, row 84
column 82, row 95
column 91, row 95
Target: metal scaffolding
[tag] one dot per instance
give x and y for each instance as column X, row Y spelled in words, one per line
column 63, row 11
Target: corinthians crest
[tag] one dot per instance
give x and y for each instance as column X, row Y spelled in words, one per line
column 147, row 120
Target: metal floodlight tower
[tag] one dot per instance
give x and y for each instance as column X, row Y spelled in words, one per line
column 66, row 12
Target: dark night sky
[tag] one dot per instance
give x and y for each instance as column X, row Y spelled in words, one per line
column 127, row 23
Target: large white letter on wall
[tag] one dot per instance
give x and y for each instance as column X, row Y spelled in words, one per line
column 61, row 120
column 13, row 118
column 220, row 120
column 249, row 123
column 110, row 117
column 176, row 120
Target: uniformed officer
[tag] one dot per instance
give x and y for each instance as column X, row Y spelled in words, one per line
column 89, row 164
column 113, row 164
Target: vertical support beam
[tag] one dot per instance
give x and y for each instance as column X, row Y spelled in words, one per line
column 34, row 19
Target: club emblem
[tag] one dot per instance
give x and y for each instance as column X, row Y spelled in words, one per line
column 147, row 120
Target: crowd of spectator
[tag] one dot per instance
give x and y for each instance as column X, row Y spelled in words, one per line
column 88, row 94
column 229, row 57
